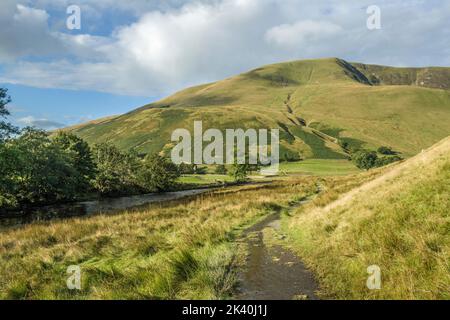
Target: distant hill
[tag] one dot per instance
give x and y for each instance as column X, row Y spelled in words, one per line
column 313, row 102
column 399, row 221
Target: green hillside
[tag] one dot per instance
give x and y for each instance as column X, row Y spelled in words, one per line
column 400, row 221
column 313, row 102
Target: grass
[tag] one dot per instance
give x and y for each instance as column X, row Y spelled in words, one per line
column 204, row 179
column 398, row 221
column 181, row 250
column 395, row 217
column 319, row 167
column 326, row 93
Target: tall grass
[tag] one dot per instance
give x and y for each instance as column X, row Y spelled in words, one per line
column 180, row 250
column 399, row 222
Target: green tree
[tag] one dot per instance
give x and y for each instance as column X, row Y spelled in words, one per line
column 386, row 151
column 81, row 155
column 365, row 159
column 384, row 161
column 116, row 171
column 42, row 172
column 158, row 174
column 239, row 172
column 221, row 169
column 6, row 129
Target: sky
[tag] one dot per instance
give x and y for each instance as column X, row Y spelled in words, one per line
column 129, row 53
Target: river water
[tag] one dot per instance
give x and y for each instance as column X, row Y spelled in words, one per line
column 85, row 208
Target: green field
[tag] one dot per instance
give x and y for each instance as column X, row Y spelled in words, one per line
column 312, row 102
column 319, row 167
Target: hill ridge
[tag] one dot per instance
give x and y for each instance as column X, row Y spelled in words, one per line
column 328, row 100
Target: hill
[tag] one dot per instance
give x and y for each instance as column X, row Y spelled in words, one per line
column 313, row 102
column 399, row 221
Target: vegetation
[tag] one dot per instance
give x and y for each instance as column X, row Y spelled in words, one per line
column 399, row 222
column 365, row 159
column 294, row 96
column 180, row 250
column 319, row 167
column 38, row 168
column 386, row 151
column 369, row 159
column 158, row 173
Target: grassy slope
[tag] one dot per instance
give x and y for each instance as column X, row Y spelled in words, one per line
column 399, row 221
column 330, row 94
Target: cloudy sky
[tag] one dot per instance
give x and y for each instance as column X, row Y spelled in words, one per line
column 128, row 53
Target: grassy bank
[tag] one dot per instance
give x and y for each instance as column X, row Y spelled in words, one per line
column 399, row 222
column 180, row 250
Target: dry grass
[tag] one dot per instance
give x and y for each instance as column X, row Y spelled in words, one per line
column 174, row 251
column 399, row 221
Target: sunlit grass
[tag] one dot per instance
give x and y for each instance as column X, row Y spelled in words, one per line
column 185, row 249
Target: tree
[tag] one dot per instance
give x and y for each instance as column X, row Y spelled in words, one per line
column 42, row 172
column 221, row 169
column 239, row 172
column 158, row 174
column 81, row 155
column 116, row 171
column 365, row 159
column 384, row 161
column 386, row 151
column 6, row 129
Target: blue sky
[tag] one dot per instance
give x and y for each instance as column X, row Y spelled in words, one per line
column 129, row 53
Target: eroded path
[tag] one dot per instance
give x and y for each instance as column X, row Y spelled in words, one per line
column 273, row 272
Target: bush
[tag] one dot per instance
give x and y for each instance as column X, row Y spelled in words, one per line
column 116, row 171
column 186, row 168
column 239, row 172
column 37, row 170
column 221, row 169
column 386, row 151
column 158, row 174
column 384, row 161
column 365, row 159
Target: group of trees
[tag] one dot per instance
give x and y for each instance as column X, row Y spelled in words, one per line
column 369, row 159
column 39, row 168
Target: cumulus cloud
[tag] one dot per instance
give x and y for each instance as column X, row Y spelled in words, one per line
column 174, row 44
column 294, row 35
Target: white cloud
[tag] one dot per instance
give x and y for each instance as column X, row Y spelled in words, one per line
column 180, row 43
column 295, row 35
column 41, row 123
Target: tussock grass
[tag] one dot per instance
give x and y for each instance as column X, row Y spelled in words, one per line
column 398, row 221
column 181, row 250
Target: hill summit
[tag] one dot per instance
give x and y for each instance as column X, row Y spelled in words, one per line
column 315, row 103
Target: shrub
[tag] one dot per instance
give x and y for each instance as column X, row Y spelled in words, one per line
column 384, row 161
column 158, row 174
column 221, row 169
column 116, row 171
column 386, row 151
column 365, row 159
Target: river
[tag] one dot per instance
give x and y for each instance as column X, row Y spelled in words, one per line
column 104, row 206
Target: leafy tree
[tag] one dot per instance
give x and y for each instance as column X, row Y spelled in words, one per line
column 6, row 129
column 81, row 155
column 384, row 161
column 221, row 169
column 116, row 171
column 365, row 159
column 41, row 171
column 158, row 174
column 186, row 168
column 239, row 172
column 386, row 151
